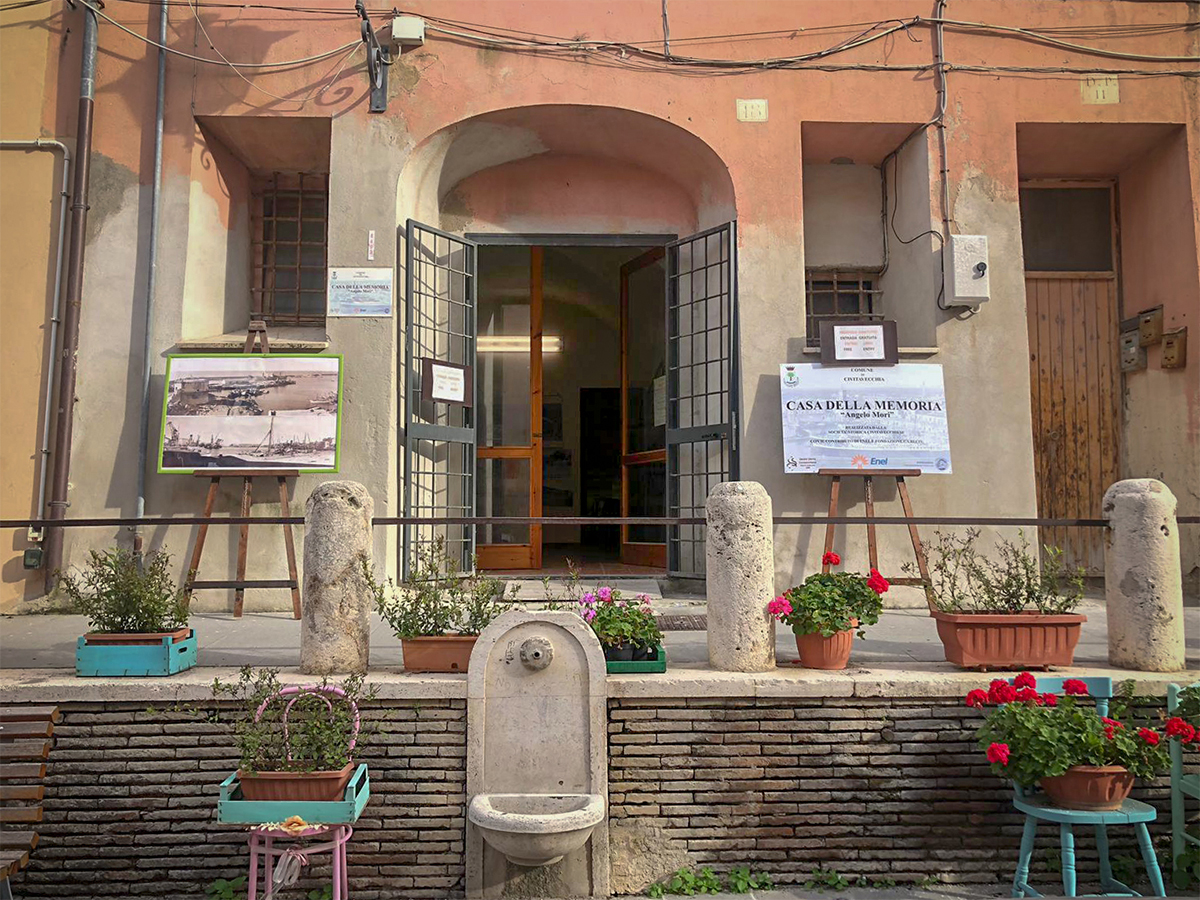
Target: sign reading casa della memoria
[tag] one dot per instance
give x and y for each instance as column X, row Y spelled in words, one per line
column 864, row 417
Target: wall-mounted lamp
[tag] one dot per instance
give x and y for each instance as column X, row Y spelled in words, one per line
column 515, row 343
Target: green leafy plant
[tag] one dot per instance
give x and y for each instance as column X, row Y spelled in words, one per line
column 318, row 733
column 742, row 881
column 325, row 892
column 122, row 594
column 618, row 621
column 689, row 883
column 831, row 602
column 226, row 888
column 965, row 581
column 436, row 598
column 827, row 879
column 1028, row 735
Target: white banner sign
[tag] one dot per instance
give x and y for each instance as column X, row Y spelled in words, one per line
column 864, row 418
column 360, row 292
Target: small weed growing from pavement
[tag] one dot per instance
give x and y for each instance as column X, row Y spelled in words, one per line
column 927, row 881
column 878, row 884
column 742, row 881
column 687, row 883
column 827, row 878
column 226, row 889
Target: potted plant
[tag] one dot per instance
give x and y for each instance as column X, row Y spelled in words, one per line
column 627, row 629
column 294, row 743
column 827, row 610
column 437, row 612
column 136, row 614
column 1007, row 612
column 1080, row 759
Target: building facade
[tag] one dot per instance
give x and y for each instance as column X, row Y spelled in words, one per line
column 623, row 217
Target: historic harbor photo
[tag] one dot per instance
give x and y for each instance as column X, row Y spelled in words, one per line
column 251, row 412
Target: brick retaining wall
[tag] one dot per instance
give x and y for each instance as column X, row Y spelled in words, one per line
column 882, row 787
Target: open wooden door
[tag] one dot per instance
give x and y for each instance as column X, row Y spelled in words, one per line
column 643, row 408
column 509, row 446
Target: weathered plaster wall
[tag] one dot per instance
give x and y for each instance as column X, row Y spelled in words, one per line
column 635, row 118
column 841, row 207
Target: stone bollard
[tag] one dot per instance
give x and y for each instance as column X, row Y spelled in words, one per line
column 740, row 563
column 1143, row 584
column 335, row 627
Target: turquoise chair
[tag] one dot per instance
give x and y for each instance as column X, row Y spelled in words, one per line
column 1181, row 786
column 1038, row 808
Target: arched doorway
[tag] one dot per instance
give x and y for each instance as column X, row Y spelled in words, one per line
column 576, row 286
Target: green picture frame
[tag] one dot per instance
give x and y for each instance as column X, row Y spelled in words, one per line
column 223, row 410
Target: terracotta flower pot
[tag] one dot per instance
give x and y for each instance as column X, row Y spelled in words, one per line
column 1089, row 787
column 139, row 639
column 820, row 652
column 319, row 787
column 1020, row 641
column 447, row 653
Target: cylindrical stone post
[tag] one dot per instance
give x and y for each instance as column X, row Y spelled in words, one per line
column 335, row 625
column 1143, row 583
column 740, row 563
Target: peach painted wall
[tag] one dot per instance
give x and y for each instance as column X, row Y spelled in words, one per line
column 756, row 166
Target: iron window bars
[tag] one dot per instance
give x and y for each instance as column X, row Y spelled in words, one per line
column 840, row 294
column 291, row 239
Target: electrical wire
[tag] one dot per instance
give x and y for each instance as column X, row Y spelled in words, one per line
column 1044, row 38
column 222, row 62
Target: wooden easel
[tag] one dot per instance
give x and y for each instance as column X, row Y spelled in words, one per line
column 257, row 331
column 836, row 476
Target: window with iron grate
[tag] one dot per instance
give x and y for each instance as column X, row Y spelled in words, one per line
column 291, row 237
column 839, row 295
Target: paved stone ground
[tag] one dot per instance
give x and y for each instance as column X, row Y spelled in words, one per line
column 936, row 893
column 903, row 639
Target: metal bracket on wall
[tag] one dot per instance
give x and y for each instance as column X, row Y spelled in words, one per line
column 378, row 61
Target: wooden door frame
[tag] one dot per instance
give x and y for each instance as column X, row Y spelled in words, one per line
column 635, row 553
column 529, row 555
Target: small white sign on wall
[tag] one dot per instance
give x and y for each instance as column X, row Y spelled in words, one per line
column 1099, row 89
column 360, row 292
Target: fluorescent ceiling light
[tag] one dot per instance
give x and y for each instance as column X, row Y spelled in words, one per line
column 515, row 343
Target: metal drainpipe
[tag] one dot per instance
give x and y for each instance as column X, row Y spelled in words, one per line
column 70, row 344
column 44, row 452
column 151, row 276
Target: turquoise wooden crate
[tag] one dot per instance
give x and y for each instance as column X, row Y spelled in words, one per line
column 117, row 660
column 656, row 663
column 233, row 810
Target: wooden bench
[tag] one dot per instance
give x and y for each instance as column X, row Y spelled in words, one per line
column 26, row 735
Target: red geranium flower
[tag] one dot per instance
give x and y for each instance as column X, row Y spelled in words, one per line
column 1148, row 735
column 877, row 582
column 831, row 559
column 1050, row 699
column 1001, row 692
column 1074, row 686
column 1029, row 695
column 998, row 753
column 977, row 698
column 1025, row 680
column 1177, row 727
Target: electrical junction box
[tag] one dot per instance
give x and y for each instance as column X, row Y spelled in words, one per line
column 967, row 275
column 408, row 32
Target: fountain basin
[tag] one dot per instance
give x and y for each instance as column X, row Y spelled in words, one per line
column 536, row 829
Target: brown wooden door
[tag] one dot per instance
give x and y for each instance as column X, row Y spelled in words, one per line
column 1075, row 383
column 509, row 460
column 643, row 408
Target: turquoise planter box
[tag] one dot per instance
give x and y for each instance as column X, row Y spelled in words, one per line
column 233, row 810
column 656, row 663
column 132, row 660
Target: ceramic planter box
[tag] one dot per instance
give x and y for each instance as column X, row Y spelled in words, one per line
column 133, row 655
column 234, row 809
column 448, row 653
column 1021, row 641
column 316, row 787
column 657, row 662
column 820, row 652
column 1089, row 787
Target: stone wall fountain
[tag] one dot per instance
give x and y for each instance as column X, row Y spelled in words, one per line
column 537, row 759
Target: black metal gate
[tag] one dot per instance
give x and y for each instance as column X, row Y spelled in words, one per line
column 439, row 438
column 702, row 384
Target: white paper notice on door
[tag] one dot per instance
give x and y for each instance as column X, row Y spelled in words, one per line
column 449, row 384
column 660, row 400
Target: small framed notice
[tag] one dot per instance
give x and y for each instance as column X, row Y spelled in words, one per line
column 443, row 382
column 359, row 292
column 858, row 343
